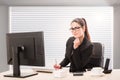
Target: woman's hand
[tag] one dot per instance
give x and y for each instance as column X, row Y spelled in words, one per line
column 57, row 66
column 76, row 43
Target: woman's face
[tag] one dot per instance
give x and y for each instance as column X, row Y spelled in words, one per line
column 77, row 30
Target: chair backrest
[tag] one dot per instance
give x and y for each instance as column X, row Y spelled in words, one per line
column 97, row 58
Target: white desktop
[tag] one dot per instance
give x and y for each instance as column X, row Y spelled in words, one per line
column 88, row 75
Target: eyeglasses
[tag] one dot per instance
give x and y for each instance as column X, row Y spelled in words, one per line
column 75, row 28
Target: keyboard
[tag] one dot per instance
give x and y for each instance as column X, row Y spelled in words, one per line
column 43, row 70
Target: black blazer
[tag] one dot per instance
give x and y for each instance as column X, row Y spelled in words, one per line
column 79, row 57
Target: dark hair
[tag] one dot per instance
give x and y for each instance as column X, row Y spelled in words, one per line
column 82, row 22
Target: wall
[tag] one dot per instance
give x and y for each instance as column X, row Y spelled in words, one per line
column 3, row 30
column 25, row 19
column 116, row 45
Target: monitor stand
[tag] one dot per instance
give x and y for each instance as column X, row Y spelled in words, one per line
column 23, row 75
column 16, row 64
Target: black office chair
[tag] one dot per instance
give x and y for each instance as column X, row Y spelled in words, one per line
column 97, row 58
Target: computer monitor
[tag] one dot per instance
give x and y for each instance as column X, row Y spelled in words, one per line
column 25, row 49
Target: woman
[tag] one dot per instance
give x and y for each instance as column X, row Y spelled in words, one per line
column 78, row 48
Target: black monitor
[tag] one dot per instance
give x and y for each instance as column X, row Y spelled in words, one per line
column 25, row 49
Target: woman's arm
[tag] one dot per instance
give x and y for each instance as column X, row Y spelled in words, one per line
column 69, row 48
column 87, row 55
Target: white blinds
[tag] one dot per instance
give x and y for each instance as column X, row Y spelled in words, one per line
column 55, row 22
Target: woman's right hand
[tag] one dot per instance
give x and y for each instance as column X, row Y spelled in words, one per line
column 57, row 66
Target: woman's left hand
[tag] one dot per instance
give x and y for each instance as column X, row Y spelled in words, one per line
column 76, row 43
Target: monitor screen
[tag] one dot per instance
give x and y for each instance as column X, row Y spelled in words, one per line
column 25, row 49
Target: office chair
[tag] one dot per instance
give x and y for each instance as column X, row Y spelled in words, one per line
column 97, row 59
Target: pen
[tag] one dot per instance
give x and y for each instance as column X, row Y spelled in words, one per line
column 55, row 61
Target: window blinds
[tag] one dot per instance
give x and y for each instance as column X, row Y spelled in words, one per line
column 55, row 22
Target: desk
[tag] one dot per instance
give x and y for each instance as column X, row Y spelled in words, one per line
column 115, row 75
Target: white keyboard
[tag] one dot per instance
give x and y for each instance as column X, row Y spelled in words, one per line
column 44, row 70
